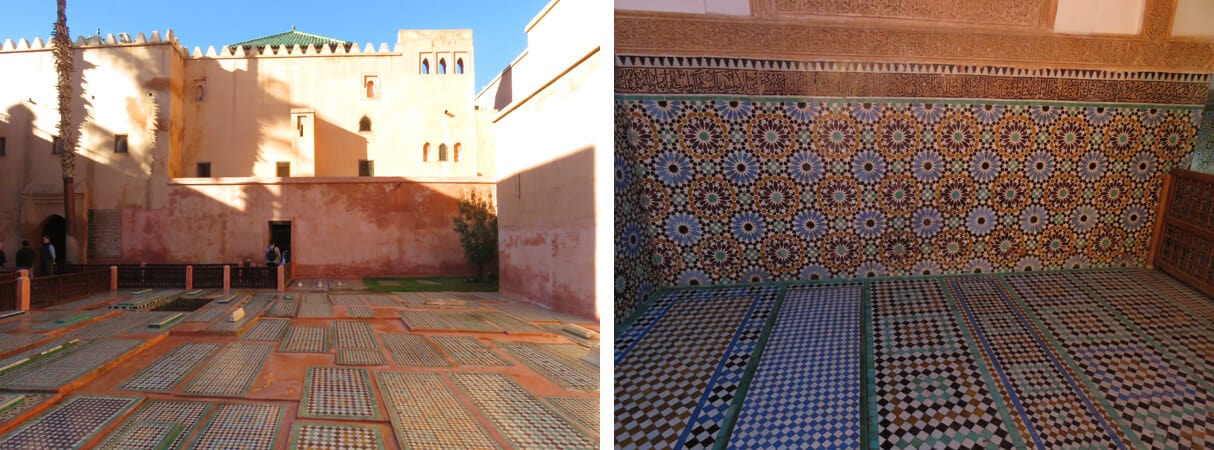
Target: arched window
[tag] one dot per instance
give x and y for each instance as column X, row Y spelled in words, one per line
column 200, row 92
column 370, row 88
column 442, row 66
column 456, row 155
column 425, row 66
column 442, row 152
column 364, row 124
column 459, row 65
column 426, row 152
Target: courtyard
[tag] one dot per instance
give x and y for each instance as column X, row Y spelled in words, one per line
column 326, row 364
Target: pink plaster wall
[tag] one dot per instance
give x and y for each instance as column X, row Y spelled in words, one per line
column 340, row 228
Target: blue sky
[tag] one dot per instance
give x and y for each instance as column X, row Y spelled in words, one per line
column 497, row 26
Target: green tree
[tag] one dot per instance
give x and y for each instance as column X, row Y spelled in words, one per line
column 476, row 224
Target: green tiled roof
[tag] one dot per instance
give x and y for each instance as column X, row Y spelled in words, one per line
column 290, row 38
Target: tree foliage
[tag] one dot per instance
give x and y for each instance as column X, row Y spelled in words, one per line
column 476, row 224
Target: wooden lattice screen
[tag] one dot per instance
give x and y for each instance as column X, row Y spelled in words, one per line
column 1184, row 233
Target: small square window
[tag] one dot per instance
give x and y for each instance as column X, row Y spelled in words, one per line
column 284, row 169
column 366, row 168
column 3, row 145
column 57, row 146
column 120, row 145
column 204, row 170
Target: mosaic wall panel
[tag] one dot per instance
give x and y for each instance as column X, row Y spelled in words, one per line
column 716, row 189
column 1203, row 151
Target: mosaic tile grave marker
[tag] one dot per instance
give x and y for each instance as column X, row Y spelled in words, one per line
column 283, row 308
column 70, row 424
column 425, row 413
column 345, row 300
column 583, row 411
column 568, row 373
column 360, row 312
column 164, row 374
column 241, row 425
column 52, row 371
column 412, row 350
column 423, row 320
column 380, row 300
column 306, row 339
column 157, row 424
column 267, row 330
column 338, row 392
column 360, row 357
column 469, row 351
column 231, row 372
column 330, row 436
column 353, row 334
column 525, row 421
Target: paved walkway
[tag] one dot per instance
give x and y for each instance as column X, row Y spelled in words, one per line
column 308, row 369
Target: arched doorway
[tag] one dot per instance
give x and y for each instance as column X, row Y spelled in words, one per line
column 55, row 227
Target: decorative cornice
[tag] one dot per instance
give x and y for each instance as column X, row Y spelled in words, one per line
column 647, row 33
column 733, row 76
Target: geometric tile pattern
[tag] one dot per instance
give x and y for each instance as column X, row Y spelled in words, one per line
column 157, row 424
column 468, row 351
column 360, row 357
column 315, row 310
column 267, row 330
column 380, row 300
column 28, row 401
column 344, row 300
column 52, row 371
column 724, row 189
column 467, row 321
column 338, row 392
column 283, row 308
column 359, row 312
column 353, row 334
column 305, row 339
column 252, row 309
column 125, row 322
column 583, row 411
column 12, row 342
column 70, row 424
column 930, row 390
column 811, row 358
column 412, row 350
column 326, row 436
column 425, row 413
column 507, row 322
column 423, row 320
column 519, row 416
column 241, row 425
column 533, row 313
column 568, row 373
column 231, row 372
column 688, row 339
column 164, row 374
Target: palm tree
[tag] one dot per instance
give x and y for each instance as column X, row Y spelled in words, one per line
column 62, row 52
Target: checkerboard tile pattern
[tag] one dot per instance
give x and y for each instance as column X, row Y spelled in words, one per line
column 241, row 426
column 54, row 370
column 28, row 401
column 340, row 392
column 426, row 413
column 231, row 372
column 164, row 374
column 360, row 312
column 412, row 350
column 267, row 330
column 360, row 357
column 353, row 334
column 345, row 300
column 70, row 424
column 468, row 351
column 520, row 417
column 547, row 360
column 283, row 308
column 584, row 411
column 650, row 411
column 331, row 436
column 157, row 424
column 314, row 309
column 811, row 358
column 305, row 339
column 930, row 390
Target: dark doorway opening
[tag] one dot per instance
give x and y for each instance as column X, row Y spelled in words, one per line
column 55, row 227
column 280, row 235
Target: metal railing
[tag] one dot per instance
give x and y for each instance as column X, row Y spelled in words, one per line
column 255, row 277
column 8, row 295
column 57, row 289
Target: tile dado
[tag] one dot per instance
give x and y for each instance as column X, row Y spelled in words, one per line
column 734, row 189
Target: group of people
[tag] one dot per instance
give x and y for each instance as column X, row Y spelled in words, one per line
column 26, row 258
column 275, row 257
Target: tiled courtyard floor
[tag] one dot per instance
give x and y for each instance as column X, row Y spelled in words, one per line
column 1075, row 359
column 305, row 369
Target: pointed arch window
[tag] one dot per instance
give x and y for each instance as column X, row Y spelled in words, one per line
column 442, row 66
column 426, row 152
column 459, row 66
column 364, row 124
column 442, row 152
column 425, row 66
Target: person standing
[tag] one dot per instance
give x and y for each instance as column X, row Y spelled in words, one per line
column 48, row 256
column 272, row 255
column 25, row 256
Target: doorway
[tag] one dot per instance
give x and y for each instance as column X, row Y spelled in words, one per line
column 55, row 227
column 280, row 234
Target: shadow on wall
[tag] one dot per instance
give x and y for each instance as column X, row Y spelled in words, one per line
column 505, row 90
column 546, row 233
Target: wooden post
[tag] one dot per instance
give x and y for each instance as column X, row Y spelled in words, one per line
column 23, row 290
column 282, row 279
column 113, row 278
column 1165, row 197
column 189, row 278
column 227, row 278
